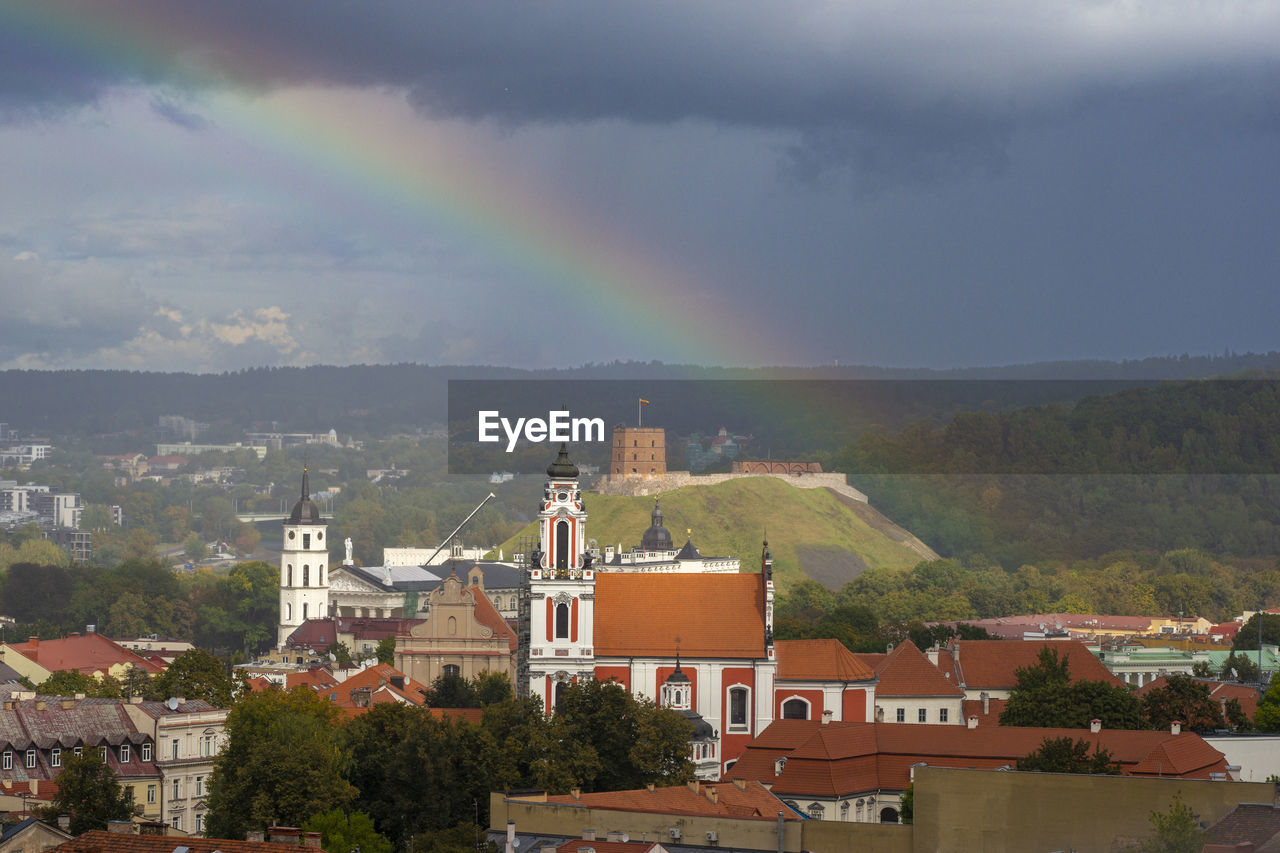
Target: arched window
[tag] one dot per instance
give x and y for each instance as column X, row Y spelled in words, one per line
column 290, row 572
column 306, row 576
column 888, row 815
column 738, row 697
column 452, row 670
column 562, row 621
column 288, row 611
column 795, row 709
column 844, row 810
column 453, row 626
column 559, row 693
column 562, row 546
column 304, row 611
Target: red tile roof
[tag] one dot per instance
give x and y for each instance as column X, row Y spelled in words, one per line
column 845, row 758
column 713, row 615
column 820, row 660
column 384, row 683
column 993, row 664
column 101, row 841
column 990, row 717
column 87, row 653
column 751, row 801
column 489, row 617
column 1219, row 691
column 1247, row 823
column 907, row 672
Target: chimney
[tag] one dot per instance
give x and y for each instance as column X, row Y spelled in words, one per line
column 40, row 705
column 284, row 835
column 67, row 704
column 713, row 795
column 255, row 835
column 64, row 822
column 986, row 702
column 693, row 786
column 588, row 835
column 972, row 722
column 576, row 793
column 826, row 717
column 311, row 840
column 741, row 783
column 648, row 787
column 932, row 653
column 511, row 837
column 1095, row 725
column 120, row 827
column 1175, row 728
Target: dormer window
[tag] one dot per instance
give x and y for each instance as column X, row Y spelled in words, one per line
column 31, row 758
column 6, row 762
column 55, row 757
column 124, row 753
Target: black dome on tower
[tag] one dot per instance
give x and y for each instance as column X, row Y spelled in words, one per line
column 657, row 537
column 563, row 468
column 305, row 511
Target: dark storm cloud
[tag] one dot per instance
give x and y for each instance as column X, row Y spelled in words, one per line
column 179, row 115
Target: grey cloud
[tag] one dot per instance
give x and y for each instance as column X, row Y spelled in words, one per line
column 179, row 115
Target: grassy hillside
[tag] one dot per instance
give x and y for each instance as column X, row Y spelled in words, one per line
column 812, row 532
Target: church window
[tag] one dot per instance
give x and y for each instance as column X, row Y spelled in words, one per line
column 816, row 811
column 288, row 611
column 452, row 670
column 322, row 578
column 795, row 709
column 844, row 810
column 304, row 611
column 306, row 540
column 559, row 693
column 738, row 707
column 678, row 694
column 306, row 576
column 319, row 536
column 562, row 547
column 562, row 621
column 858, row 813
column 453, row 626
column 290, row 575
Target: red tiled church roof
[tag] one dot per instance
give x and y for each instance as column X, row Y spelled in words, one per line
column 712, row 615
column 844, row 758
column 907, row 672
column 820, row 660
column 994, row 663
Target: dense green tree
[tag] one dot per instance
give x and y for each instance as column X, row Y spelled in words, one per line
column 492, row 688
column 451, row 691
column 341, row 653
column 342, row 833
column 1267, row 717
column 1185, row 700
column 1045, row 696
column 1241, row 668
column 1068, row 755
column 283, row 762
column 612, row 721
column 537, row 751
column 193, row 547
column 386, row 651
column 463, row 838
column 89, row 792
column 1247, row 636
column 197, row 674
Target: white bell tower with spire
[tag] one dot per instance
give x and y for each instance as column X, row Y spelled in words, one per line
column 304, row 569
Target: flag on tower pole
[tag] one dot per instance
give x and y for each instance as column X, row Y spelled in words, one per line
column 639, row 407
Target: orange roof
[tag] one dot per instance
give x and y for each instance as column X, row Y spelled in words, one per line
column 713, row 615
column 991, row 717
column 608, row 846
column 101, row 841
column 821, row 660
column 753, row 800
column 489, row 617
column 838, row 758
column 1219, row 691
column 907, row 672
column 994, row 663
column 316, row 677
column 87, row 653
column 385, row 683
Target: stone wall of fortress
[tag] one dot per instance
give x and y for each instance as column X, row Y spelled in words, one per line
column 677, row 479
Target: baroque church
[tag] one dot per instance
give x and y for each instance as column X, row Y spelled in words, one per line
column 684, row 630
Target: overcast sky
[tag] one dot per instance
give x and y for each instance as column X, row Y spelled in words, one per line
column 209, row 186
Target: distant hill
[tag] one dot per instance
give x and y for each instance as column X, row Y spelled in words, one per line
column 812, row 532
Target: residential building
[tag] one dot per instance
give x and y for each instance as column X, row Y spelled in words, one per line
column 188, row 734
column 910, row 689
column 90, row 653
column 37, row 732
column 30, row 836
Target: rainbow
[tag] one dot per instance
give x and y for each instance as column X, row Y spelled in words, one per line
column 426, row 168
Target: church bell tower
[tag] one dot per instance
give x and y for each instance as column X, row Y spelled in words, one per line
column 304, row 557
